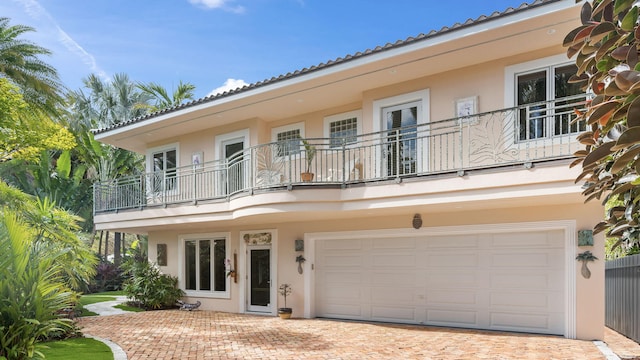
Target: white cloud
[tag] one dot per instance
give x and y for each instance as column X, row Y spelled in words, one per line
column 37, row 12
column 230, row 84
column 219, row 4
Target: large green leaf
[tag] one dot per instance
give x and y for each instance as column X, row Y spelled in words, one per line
column 629, row 20
column 63, row 164
column 622, row 6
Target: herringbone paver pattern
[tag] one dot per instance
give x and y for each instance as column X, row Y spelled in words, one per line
column 173, row 334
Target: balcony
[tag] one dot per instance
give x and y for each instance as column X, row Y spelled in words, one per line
column 520, row 135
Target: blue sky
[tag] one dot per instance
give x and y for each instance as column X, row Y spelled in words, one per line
column 210, row 43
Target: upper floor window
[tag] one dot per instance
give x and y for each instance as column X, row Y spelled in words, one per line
column 288, row 138
column 163, row 163
column 546, row 102
column 342, row 129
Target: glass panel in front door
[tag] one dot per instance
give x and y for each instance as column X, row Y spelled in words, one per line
column 401, row 125
column 234, row 155
column 260, row 281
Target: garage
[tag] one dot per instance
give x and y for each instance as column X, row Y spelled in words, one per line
column 512, row 280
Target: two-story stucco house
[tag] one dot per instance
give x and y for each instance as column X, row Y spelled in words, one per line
column 441, row 191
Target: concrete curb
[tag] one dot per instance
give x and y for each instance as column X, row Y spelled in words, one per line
column 606, row 351
column 118, row 353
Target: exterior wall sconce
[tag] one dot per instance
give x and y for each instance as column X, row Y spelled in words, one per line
column 299, row 245
column 300, row 260
column 417, row 221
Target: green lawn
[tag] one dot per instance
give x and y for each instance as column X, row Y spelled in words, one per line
column 128, row 308
column 77, row 349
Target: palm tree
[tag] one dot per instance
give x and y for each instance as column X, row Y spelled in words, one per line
column 20, row 62
column 161, row 97
column 105, row 104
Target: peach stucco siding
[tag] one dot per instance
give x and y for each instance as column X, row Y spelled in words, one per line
column 589, row 292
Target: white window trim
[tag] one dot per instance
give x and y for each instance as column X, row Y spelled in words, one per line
column 181, row 277
column 284, row 128
column 343, row 116
column 420, row 95
column 280, row 129
column 163, row 148
column 510, row 73
column 221, row 139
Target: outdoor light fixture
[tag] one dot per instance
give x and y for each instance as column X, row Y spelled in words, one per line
column 417, row 221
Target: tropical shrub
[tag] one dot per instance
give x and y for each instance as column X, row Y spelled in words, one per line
column 148, row 287
column 32, row 290
column 108, row 277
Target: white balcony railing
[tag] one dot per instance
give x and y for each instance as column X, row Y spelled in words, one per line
column 526, row 134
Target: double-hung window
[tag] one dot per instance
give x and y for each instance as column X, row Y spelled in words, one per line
column 546, row 102
column 205, row 264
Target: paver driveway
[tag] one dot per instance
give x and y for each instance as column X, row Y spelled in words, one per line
column 173, row 334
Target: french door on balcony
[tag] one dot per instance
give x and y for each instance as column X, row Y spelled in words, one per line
column 233, row 152
column 402, row 146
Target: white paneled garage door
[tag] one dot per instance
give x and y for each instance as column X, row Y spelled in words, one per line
column 501, row 281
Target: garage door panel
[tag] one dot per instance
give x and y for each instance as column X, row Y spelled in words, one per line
column 395, row 313
column 502, row 281
column 343, row 311
column 520, row 280
column 444, row 297
column 343, row 277
column 538, row 259
column 394, row 260
column 343, row 293
column 451, row 280
column 516, row 321
column 400, row 279
column 343, row 261
column 345, row 244
column 384, row 295
column 527, row 240
column 520, row 300
column 452, row 241
column 399, row 243
column 452, row 318
column 453, row 260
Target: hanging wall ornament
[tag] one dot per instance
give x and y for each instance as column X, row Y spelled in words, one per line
column 417, row 221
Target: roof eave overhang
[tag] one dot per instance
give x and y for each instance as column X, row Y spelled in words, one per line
column 304, row 79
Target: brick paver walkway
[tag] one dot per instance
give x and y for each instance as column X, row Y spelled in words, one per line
column 173, row 334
